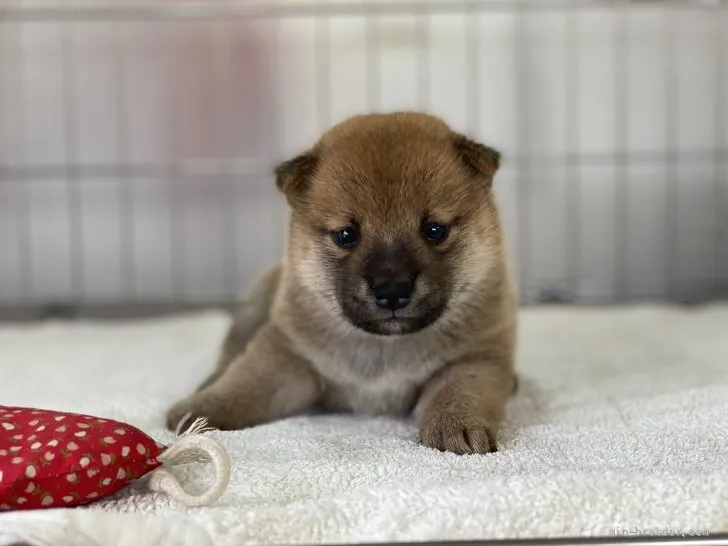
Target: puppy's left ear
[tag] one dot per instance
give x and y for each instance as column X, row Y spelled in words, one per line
column 293, row 177
column 480, row 159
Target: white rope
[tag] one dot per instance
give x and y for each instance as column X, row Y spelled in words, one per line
column 192, row 447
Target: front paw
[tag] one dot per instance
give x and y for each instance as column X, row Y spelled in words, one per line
column 221, row 410
column 182, row 415
column 458, row 434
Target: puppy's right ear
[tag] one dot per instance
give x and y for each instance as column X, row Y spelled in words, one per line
column 293, row 177
column 483, row 161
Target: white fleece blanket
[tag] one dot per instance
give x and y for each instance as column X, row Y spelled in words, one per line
column 621, row 422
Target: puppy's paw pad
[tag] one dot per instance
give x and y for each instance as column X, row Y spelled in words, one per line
column 458, row 436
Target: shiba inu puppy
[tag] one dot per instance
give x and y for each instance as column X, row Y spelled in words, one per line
column 393, row 295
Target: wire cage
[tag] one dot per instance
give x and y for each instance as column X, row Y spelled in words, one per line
column 137, row 139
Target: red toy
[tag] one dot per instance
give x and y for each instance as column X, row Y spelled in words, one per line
column 52, row 459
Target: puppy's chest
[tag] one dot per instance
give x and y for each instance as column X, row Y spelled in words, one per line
column 374, row 379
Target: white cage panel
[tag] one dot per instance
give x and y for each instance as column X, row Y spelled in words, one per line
column 137, row 140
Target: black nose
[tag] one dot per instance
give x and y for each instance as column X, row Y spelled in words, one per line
column 393, row 296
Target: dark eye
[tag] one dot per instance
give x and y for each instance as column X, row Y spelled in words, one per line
column 434, row 232
column 347, row 237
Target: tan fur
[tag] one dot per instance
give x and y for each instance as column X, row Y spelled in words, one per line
column 291, row 348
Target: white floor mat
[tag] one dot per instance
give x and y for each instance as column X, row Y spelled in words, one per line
column 621, row 423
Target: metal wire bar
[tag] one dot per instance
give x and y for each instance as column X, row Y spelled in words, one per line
column 175, row 185
column 424, row 83
column 273, row 57
column 126, row 198
column 472, row 51
column 70, row 134
column 373, row 62
column 523, row 167
column 260, row 167
column 25, row 245
column 572, row 236
column 276, row 106
column 150, row 11
column 228, row 230
column 720, row 182
column 718, row 539
column 161, row 306
column 671, row 236
column 621, row 171
column 323, row 71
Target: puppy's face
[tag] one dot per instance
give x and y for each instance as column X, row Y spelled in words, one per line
column 392, row 221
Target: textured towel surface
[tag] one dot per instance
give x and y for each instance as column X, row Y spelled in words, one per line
column 621, row 422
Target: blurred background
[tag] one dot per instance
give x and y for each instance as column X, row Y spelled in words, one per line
column 137, row 138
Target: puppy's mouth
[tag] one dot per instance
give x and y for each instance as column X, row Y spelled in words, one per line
column 394, row 325
column 362, row 314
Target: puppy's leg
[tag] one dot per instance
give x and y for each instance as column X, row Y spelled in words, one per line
column 268, row 381
column 253, row 312
column 462, row 408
